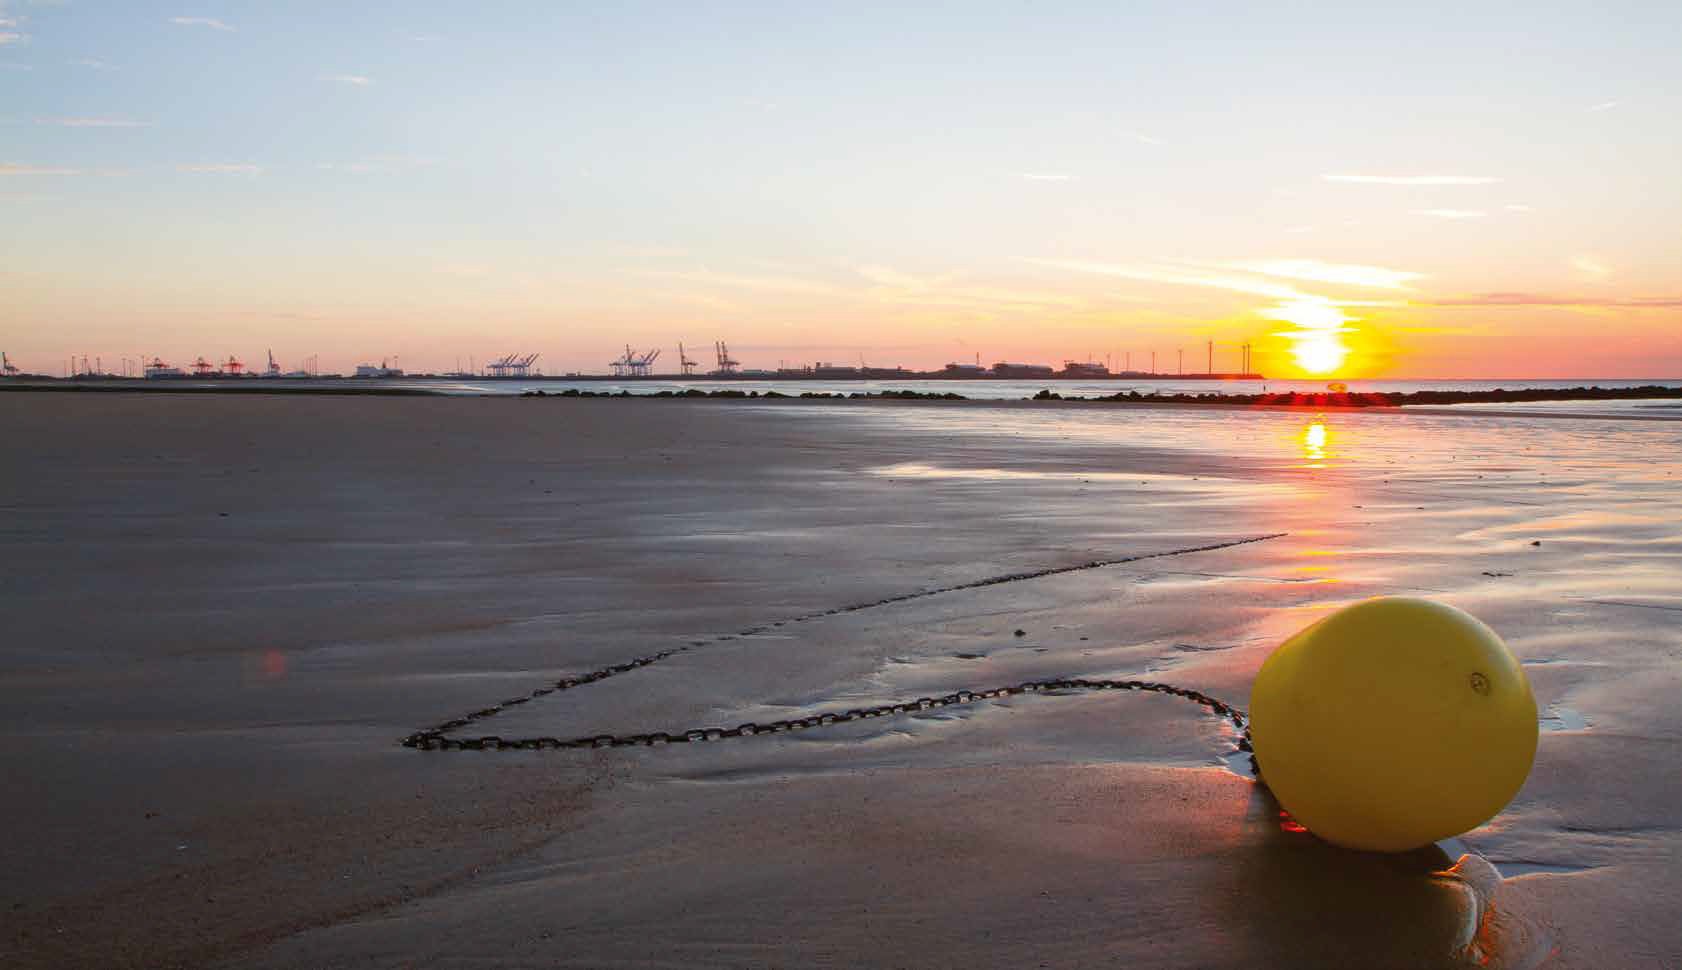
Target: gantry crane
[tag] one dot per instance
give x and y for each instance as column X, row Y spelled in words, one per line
column 726, row 366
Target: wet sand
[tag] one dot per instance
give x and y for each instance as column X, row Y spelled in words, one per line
column 221, row 614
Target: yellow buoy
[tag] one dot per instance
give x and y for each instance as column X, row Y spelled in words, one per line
column 1393, row 723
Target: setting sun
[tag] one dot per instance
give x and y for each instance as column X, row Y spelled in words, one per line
column 1317, row 344
column 1319, row 353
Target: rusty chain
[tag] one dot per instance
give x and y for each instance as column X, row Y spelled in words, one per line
column 437, row 737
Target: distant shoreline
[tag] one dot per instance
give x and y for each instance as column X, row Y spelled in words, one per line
column 750, row 377
column 71, row 386
column 1369, row 399
column 1343, row 401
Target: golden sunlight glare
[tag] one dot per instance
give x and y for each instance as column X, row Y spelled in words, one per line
column 1319, row 353
column 1314, row 438
column 1317, row 344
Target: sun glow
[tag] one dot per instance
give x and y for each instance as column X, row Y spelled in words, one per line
column 1319, row 353
column 1317, row 343
column 1314, row 440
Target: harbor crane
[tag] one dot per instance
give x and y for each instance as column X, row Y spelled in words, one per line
column 203, row 368
column 686, row 363
column 158, row 368
column 6, row 367
column 726, row 366
column 635, row 364
column 233, row 368
column 512, row 365
column 273, row 370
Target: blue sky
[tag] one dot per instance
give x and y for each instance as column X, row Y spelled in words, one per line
column 810, row 181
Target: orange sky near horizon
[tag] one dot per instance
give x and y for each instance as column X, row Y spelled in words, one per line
column 769, row 320
column 895, row 187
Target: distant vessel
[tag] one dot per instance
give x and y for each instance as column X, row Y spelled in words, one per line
column 1085, row 370
column 157, row 368
column 1008, row 370
column 369, row 370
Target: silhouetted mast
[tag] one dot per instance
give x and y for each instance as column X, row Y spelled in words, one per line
column 725, row 364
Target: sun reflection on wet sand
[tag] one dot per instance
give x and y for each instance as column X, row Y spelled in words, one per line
column 1315, row 438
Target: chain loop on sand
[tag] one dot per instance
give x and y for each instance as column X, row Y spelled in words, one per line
column 436, row 740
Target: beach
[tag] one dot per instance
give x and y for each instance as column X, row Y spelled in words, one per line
column 223, row 614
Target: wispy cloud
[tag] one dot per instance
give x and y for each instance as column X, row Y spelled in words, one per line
column 11, row 31
column 707, row 301
column 1317, row 321
column 356, row 79
column 1515, row 207
column 211, row 22
column 1343, row 274
column 466, row 270
column 987, row 298
column 1605, row 106
column 416, row 161
column 378, row 163
column 948, row 290
column 1523, row 299
column 1180, row 276
column 92, row 63
column 888, row 276
column 11, row 28
column 1045, row 176
column 12, row 168
column 1591, row 267
column 93, row 123
column 776, row 284
column 1145, row 139
column 1451, row 213
column 893, row 286
column 221, row 168
column 1413, row 179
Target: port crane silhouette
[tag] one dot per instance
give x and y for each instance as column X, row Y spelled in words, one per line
column 512, row 365
column 635, row 364
column 725, row 364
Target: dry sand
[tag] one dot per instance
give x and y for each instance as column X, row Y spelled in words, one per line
column 220, row 614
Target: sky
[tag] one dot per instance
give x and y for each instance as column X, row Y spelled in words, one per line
column 1390, row 190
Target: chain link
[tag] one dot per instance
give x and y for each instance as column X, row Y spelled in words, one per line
column 437, row 737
